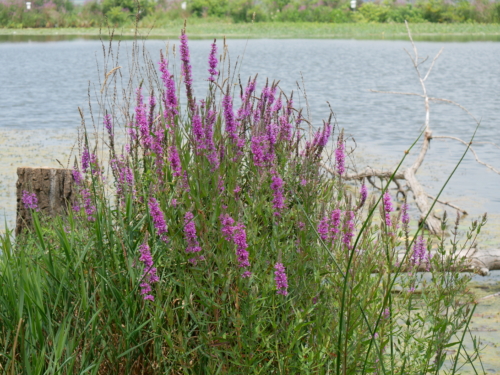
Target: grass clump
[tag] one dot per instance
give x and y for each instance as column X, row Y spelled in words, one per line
column 214, row 242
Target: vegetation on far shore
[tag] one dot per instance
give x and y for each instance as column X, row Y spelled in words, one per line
column 162, row 13
column 201, row 28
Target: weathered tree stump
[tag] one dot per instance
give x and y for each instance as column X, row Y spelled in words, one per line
column 54, row 189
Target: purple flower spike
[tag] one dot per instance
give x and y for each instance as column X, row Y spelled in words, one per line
column 231, row 124
column 280, row 279
column 77, row 176
column 108, row 125
column 240, row 239
column 363, row 194
column 278, row 200
column 340, row 157
column 186, row 69
column 85, row 159
column 175, row 161
column 405, row 217
column 212, row 63
column 30, row 200
column 388, row 208
column 90, row 209
column 170, row 98
column 158, row 219
column 323, row 227
column 227, row 226
column 336, row 218
column 237, row 234
column 149, row 275
column 348, row 229
column 190, row 234
column 419, row 251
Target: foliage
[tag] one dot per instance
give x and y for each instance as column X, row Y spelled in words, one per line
column 62, row 13
column 219, row 245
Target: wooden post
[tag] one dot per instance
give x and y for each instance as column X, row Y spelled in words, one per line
column 54, row 188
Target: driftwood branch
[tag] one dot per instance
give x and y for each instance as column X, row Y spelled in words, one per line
column 462, row 211
column 470, row 148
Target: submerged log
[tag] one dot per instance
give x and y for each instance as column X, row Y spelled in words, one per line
column 53, row 188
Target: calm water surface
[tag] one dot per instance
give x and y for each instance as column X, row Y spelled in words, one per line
column 43, row 83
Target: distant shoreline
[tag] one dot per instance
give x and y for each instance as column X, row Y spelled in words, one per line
column 275, row 30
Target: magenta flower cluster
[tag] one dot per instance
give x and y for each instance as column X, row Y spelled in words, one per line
column 124, row 176
column 278, row 199
column 149, row 275
column 186, row 70
column 190, row 235
column 340, row 157
column 348, row 229
column 363, row 194
column 329, row 226
column 420, row 254
column 388, row 208
column 88, row 205
column 108, row 125
column 405, row 217
column 212, row 63
column 280, row 279
column 30, row 200
column 170, row 97
column 158, row 219
column 77, row 176
column 237, row 234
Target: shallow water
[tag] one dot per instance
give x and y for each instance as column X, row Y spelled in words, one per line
column 43, row 84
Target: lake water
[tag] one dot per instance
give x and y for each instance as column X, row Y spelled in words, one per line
column 42, row 83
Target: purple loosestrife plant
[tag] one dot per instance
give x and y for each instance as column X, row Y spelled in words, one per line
column 158, row 219
column 323, row 228
column 30, row 200
column 175, row 161
column 278, row 199
column 85, row 159
column 149, row 275
column 280, row 279
column 212, row 63
column 141, row 121
column 231, row 123
column 388, row 208
column 90, row 208
column 198, row 131
column 108, row 124
column 340, row 156
column 348, row 229
column 237, row 234
column 170, row 97
column 405, row 217
column 335, row 218
column 77, row 176
column 124, row 176
column 186, row 70
column 363, row 194
column 190, row 234
column 227, row 226
column 240, row 239
column 419, row 252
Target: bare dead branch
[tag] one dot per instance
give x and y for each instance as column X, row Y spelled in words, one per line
column 470, row 148
column 433, row 62
column 463, row 212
